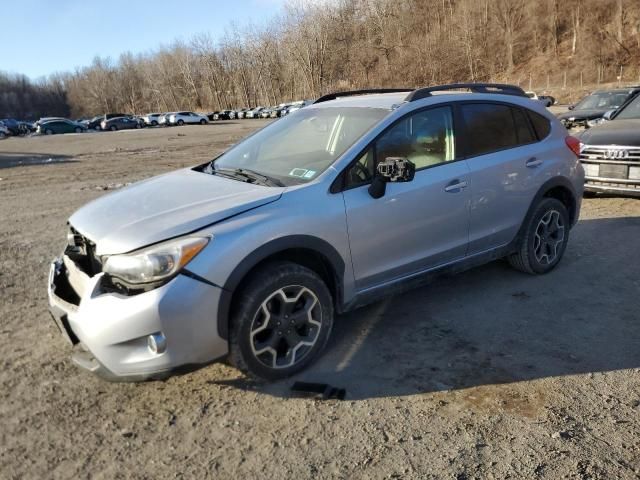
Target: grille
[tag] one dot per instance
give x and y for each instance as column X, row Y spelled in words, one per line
column 610, row 154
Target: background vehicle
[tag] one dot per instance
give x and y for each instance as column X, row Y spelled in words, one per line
column 151, row 119
column 181, row 118
column 225, row 115
column 610, row 152
column 120, row 123
column 242, row 112
column 295, row 106
column 225, row 259
column 254, row 112
column 60, row 126
column 94, row 123
column 594, row 106
column 164, row 119
column 4, row 131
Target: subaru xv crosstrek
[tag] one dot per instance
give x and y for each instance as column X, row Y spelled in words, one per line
column 251, row 255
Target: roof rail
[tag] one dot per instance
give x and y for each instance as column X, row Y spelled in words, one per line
column 501, row 88
column 351, row 93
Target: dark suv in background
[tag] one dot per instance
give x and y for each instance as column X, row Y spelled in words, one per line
column 589, row 111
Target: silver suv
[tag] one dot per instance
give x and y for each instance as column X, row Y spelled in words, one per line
column 251, row 255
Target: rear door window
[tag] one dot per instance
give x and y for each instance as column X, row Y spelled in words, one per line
column 490, row 127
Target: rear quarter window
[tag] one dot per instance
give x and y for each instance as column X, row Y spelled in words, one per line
column 541, row 125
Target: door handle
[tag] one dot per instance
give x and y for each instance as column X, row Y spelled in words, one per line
column 455, row 186
column 533, row 162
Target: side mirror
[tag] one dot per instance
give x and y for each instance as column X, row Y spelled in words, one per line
column 391, row 169
column 571, row 107
column 608, row 114
column 397, row 169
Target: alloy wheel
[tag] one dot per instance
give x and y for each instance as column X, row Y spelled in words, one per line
column 548, row 237
column 286, row 326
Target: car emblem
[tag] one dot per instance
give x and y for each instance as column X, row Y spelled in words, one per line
column 616, row 154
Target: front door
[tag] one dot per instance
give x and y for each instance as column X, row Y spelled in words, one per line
column 416, row 225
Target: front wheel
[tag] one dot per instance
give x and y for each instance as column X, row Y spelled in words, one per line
column 544, row 240
column 203, row 122
column 78, row 130
column 281, row 321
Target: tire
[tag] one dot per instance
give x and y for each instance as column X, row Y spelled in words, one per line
column 138, row 125
column 48, row 131
column 180, row 122
column 98, row 128
column 545, row 238
column 78, row 130
column 263, row 346
column 113, row 128
column 203, row 122
column 154, row 123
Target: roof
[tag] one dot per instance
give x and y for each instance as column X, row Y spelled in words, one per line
column 377, row 100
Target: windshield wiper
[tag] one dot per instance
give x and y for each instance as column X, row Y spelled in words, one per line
column 248, row 175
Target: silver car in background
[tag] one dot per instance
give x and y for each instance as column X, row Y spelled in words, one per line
column 251, row 255
column 188, row 118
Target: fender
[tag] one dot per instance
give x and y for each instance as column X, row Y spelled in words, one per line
column 322, row 247
column 542, row 191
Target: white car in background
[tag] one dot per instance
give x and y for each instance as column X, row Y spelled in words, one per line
column 163, row 119
column 151, row 119
column 180, row 118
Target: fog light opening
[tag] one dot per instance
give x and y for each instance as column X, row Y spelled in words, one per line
column 157, row 343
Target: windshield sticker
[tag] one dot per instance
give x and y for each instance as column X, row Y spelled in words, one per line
column 302, row 173
column 298, row 172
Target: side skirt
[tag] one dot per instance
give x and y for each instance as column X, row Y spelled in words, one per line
column 425, row 277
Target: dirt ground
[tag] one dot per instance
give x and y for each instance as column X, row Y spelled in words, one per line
column 489, row 374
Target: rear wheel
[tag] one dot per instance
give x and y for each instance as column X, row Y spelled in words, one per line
column 113, row 128
column 48, row 131
column 154, row 123
column 281, row 322
column 544, row 240
column 180, row 122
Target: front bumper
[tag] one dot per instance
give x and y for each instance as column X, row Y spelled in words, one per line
column 109, row 330
column 611, row 169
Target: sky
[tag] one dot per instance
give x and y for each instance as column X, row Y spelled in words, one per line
column 46, row 36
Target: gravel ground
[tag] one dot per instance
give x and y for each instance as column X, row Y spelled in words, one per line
column 489, row 374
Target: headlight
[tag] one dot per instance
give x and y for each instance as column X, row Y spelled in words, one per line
column 595, row 121
column 154, row 263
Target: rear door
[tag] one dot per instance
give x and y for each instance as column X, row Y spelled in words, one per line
column 416, row 225
column 504, row 159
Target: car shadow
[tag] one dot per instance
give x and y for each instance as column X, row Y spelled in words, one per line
column 492, row 325
column 12, row 159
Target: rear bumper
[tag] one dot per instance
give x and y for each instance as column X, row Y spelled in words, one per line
column 109, row 331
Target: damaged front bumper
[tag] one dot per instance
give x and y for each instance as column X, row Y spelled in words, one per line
column 110, row 332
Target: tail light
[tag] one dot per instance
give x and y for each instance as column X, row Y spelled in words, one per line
column 574, row 145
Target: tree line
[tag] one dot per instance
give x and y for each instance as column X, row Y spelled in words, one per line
column 313, row 48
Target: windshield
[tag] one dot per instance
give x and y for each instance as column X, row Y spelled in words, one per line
column 602, row 100
column 632, row 110
column 297, row 148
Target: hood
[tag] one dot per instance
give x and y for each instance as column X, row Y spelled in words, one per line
column 164, row 207
column 586, row 114
column 614, row 132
